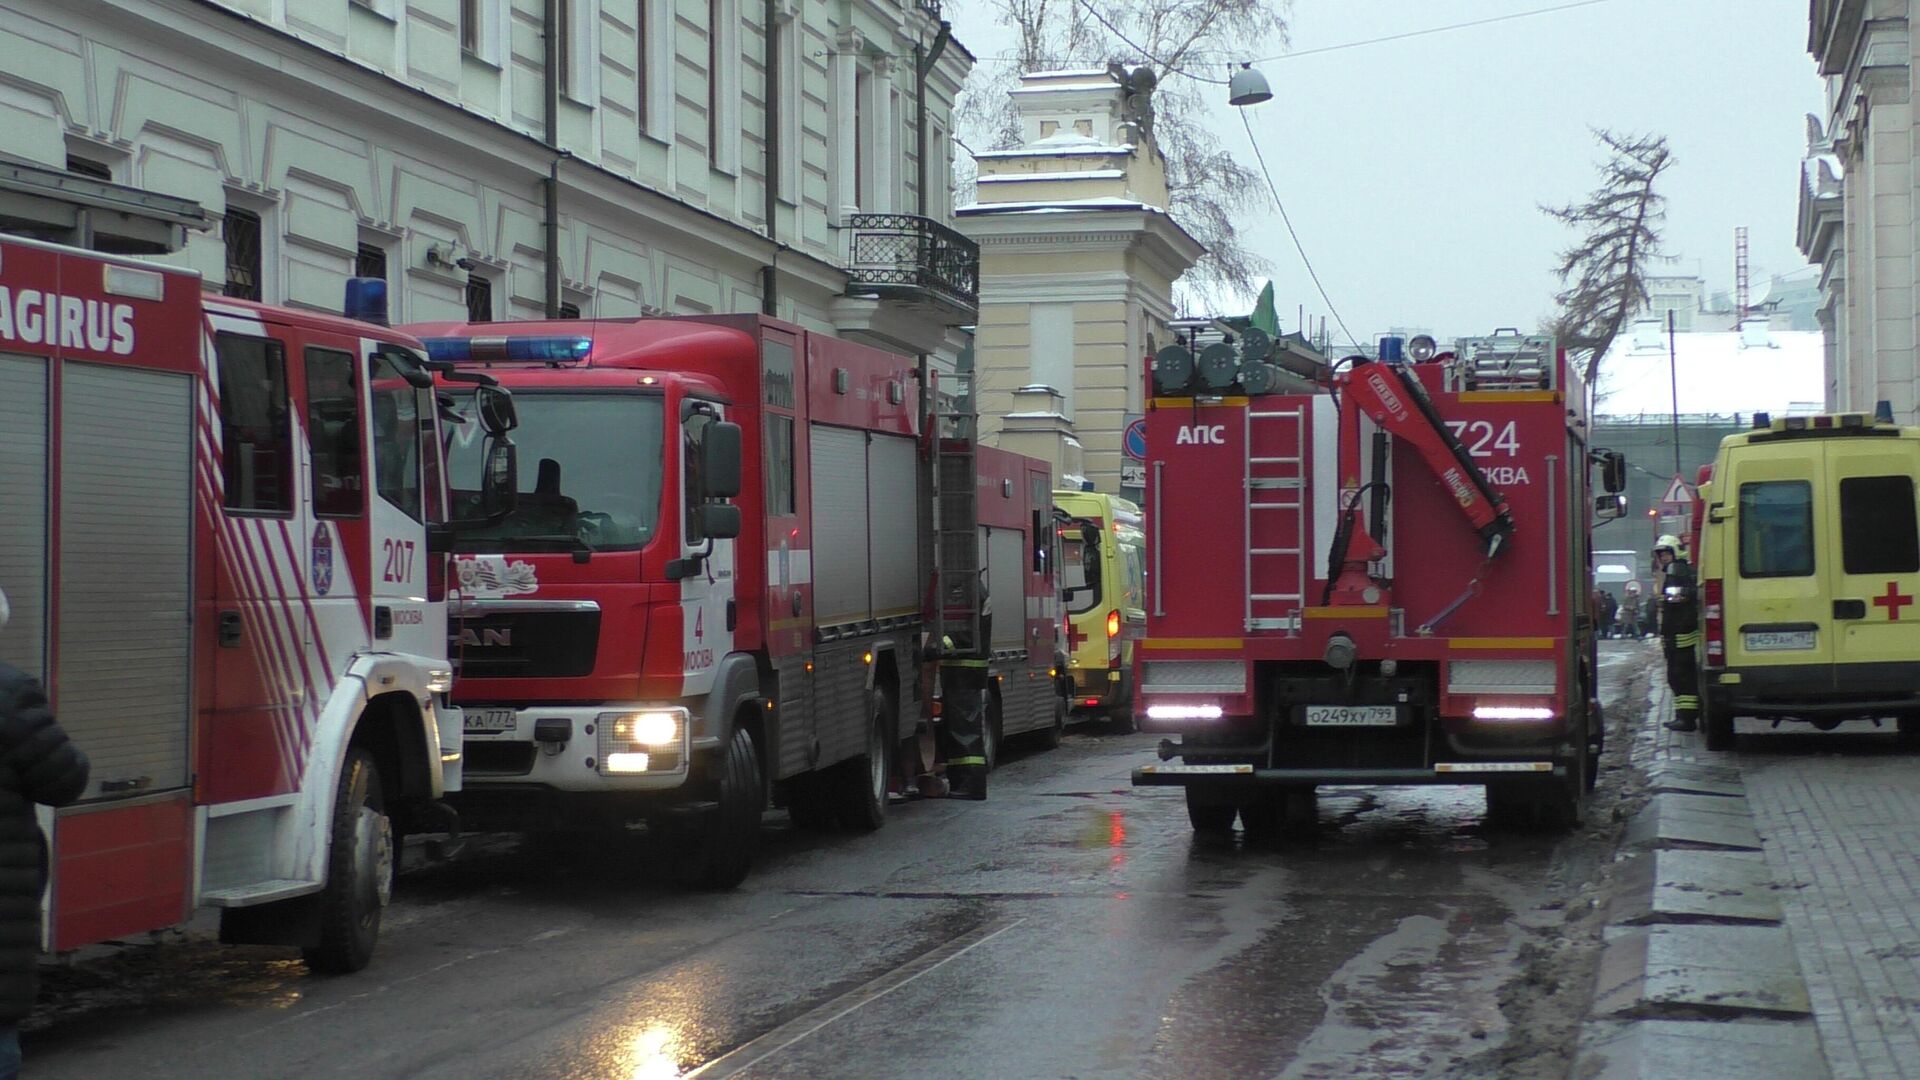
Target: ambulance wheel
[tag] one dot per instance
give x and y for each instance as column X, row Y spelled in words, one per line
column 1716, row 724
column 860, row 784
column 720, row 851
column 1209, row 812
column 360, row 859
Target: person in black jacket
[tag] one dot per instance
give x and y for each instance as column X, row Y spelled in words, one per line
column 38, row 764
column 1679, row 632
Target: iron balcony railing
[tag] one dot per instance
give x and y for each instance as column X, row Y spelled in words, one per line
column 907, row 257
column 931, row 8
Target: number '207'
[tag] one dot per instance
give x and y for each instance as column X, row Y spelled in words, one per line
column 399, row 560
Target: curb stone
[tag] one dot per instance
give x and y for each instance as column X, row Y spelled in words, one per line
column 1699, row 978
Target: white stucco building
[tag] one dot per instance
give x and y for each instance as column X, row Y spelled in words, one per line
column 1858, row 201
column 674, row 156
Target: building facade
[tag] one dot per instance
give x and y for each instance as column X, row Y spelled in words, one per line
column 514, row 159
column 1078, row 259
column 1857, row 202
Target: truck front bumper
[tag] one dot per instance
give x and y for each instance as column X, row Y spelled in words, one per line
column 570, row 748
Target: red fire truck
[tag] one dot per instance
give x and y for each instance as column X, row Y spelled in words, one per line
column 222, row 528
column 1381, row 578
column 670, row 628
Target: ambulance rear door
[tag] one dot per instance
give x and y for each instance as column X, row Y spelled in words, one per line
column 1778, row 604
column 1875, row 571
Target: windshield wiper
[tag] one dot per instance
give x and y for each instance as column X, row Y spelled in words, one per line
column 582, row 551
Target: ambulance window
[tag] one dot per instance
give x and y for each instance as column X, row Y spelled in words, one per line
column 1878, row 532
column 396, row 438
column 333, row 426
column 255, row 429
column 1776, row 529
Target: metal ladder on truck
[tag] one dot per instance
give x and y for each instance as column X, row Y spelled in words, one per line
column 956, row 525
column 1275, row 488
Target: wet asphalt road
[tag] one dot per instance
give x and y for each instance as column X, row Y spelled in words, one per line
column 1070, row 927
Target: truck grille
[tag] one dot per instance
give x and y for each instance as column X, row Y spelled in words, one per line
column 526, row 644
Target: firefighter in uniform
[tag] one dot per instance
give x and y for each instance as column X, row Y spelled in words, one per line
column 1679, row 632
column 963, row 704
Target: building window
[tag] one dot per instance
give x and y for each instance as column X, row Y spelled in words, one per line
column 563, row 29
column 333, row 428
column 256, row 438
column 240, row 230
column 80, row 166
column 370, row 261
column 716, row 10
column 569, row 310
column 479, row 299
column 642, row 63
column 470, row 34
column 723, row 89
column 862, row 136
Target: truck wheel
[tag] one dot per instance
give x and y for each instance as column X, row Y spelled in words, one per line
column 722, row 851
column 1050, row 736
column 1717, row 720
column 990, row 733
column 360, row 859
column 859, row 785
column 1120, row 720
column 1209, row 813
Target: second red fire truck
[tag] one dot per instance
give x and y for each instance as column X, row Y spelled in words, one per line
column 1379, row 578
column 715, row 588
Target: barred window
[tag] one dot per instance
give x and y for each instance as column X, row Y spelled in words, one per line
column 479, row 299
column 370, row 261
column 569, row 310
column 241, row 231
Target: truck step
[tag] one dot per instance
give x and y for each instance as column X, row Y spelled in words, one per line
column 260, row 892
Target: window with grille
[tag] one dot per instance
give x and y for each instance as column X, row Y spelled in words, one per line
column 370, row 261
column 88, row 167
column 479, row 299
column 240, row 229
column 563, row 30
column 569, row 310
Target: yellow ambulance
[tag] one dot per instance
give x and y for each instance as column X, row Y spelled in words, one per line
column 1103, row 591
column 1809, row 563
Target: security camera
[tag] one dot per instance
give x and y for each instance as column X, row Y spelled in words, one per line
column 463, row 263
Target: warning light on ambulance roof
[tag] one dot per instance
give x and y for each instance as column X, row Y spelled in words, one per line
column 563, row 349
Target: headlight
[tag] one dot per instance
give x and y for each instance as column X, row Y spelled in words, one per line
column 627, row 763
column 646, row 729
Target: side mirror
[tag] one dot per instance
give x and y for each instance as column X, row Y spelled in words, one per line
column 720, row 463
column 719, row 521
column 1613, row 472
column 500, row 487
column 495, row 406
column 1609, row 507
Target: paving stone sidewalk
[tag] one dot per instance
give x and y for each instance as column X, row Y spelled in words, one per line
column 1839, row 820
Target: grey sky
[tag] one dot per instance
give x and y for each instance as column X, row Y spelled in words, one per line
column 1413, row 169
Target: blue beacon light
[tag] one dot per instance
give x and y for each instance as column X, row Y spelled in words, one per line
column 366, row 300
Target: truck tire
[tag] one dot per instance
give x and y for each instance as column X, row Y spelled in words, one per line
column 1049, row 737
column 990, row 733
column 1120, row 720
column 360, row 859
column 1210, row 813
column 859, row 785
column 721, row 849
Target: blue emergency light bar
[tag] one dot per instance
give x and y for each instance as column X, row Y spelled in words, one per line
column 565, row 349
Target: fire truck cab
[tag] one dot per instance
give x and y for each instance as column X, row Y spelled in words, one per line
column 1809, row 562
column 223, row 527
column 1385, row 581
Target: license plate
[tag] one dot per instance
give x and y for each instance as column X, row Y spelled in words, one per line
column 1778, row 640
column 490, row 721
column 1352, row 716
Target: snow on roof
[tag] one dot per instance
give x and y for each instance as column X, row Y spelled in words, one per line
column 1719, row 374
column 1084, row 174
column 1066, row 73
column 1058, row 206
column 1091, row 149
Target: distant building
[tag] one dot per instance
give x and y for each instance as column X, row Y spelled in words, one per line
column 1857, row 202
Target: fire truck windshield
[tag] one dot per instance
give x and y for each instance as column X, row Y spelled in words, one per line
column 590, row 472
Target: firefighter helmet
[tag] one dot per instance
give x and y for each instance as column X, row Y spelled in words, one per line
column 1669, row 541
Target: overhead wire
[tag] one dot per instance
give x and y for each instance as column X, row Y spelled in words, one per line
column 1281, row 206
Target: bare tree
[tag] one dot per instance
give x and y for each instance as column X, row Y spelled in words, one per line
column 1186, row 44
column 1605, row 274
